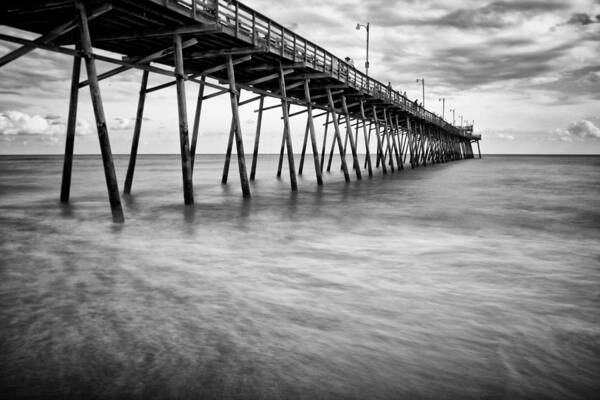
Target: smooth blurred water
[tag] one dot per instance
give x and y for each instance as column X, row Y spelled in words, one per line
column 473, row 279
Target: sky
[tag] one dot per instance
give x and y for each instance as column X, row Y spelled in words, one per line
column 527, row 72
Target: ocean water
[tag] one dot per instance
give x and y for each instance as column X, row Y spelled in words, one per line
column 466, row 280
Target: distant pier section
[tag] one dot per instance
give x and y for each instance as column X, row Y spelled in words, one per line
column 240, row 49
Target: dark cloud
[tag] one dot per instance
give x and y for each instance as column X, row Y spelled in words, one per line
column 492, row 61
column 584, row 81
column 583, row 19
column 497, row 14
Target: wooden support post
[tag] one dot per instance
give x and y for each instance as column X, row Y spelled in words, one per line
column 324, row 148
column 479, row 149
column 366, row 135
column 228, row 153
column 304, row 143
column 352, row 142
column 71, row 125
column 286, row 130
column 380, row 153
column 392, row 132
column 239, row 143
column 107, row 160
column 368, row 140
column 281, row 150
column 405, row 150
column 411, row 138
column 184, row 143
column 197, row 116
column 423, row 146
column 379, row 143
column 400, row 143
column 337, row 135
column 257, row 139
column 313, row 135
column 387, row 138
column 339, row 118
column 136, row 134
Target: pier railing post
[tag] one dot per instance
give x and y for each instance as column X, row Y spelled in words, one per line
column 136, row 134
column 239, row 143
column 107, row 160
column 186, row 161
column 65, row 189
column 257, row 138
column 313, row 135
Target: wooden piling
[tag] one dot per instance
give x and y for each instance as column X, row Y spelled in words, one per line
column 286, row 130
column 333, row 143
column 228, row 151
column 304, row 143
column 257, row 138
column 107, row 160
column 197, row 116
column 281, row 150
column 366, row 136
column 186, row 161
column 380, row 155
column 71, row 126
column 324, row 149
column 234, row 97
column 351, row 138
column 337, row 135
column 136, row 134
column 313, row 135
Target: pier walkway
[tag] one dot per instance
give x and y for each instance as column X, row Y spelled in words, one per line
column 238, row 48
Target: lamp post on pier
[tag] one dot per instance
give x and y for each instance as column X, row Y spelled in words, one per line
column 367, row 27
column 443, row 100
column 453, row 116
column 422, row 80
column 461, row 121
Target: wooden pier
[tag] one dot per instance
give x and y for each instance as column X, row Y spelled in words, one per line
column 239, row 49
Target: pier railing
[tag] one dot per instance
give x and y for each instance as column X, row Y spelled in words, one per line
column 247, row 24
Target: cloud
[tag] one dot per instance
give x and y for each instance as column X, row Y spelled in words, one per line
column 18, row 123
column 578, row 130
column 122, row 124
column 504, row 136
column 494, row 15
column 14, row 123
column 83, row 128
column 583, row 19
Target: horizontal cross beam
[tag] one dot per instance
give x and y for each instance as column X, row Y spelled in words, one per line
column 140, row 60
column 53, row 34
